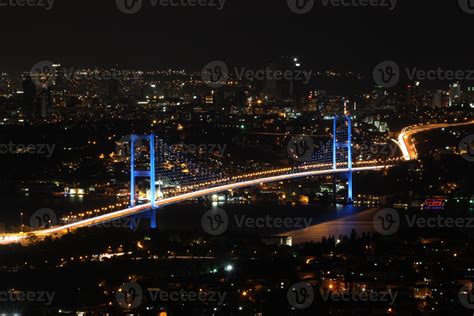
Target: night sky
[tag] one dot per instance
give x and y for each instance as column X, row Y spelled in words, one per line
column 424, row 33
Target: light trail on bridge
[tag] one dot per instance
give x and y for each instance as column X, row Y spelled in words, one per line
column 64, row 229
column 408, row 147
column 404, row 141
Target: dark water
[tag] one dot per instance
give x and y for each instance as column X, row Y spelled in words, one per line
column 183, row 216
column 13, row 205
column 188, row 216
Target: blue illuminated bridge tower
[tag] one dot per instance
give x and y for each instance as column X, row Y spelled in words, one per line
column 150, row 174
column 342, row 149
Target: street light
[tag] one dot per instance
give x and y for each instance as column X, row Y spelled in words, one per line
column 21, row 222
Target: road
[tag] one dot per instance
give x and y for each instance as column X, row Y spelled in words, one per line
column 61, row 230
column 406, row 144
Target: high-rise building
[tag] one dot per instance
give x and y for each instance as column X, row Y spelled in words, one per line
column 413, row 94
column 270, row 84
column 112, row 91
column 29, row 94
column 436, row 101
column 58, row 92
column 218, row 100
column 43, row 104
column 468, row 94
column 454, row 93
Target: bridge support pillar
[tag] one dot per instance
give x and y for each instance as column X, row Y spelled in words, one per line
column 337, row 144
column 349, row 187
column 150, row 174
column 153, row 218
column 150, row 214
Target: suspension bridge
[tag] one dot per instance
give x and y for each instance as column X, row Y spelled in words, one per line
column 174, row 177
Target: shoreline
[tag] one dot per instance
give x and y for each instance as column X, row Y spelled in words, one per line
column 361, row 222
